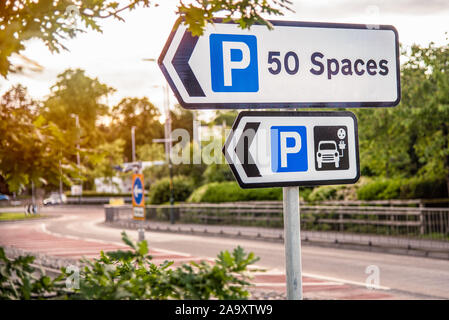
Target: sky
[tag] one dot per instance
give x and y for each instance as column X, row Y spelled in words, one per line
column 116, row 56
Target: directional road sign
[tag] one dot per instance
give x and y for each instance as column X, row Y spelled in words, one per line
column 268, row 149
column 138, row 197
column 297, row 64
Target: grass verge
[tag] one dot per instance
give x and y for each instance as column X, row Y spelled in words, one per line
column 12, row 216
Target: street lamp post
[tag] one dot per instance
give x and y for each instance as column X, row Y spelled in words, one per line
column 60, row 181
column 168, row 143
column 133, row 142
column 78, row 160
column 77, row 123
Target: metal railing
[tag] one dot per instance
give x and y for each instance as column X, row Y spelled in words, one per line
column 406, row 227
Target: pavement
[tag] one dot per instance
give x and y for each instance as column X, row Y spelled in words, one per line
column 72, row 234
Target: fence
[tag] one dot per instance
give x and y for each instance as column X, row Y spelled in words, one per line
column 397, row 226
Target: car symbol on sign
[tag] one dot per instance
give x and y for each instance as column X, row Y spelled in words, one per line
column 328, row 153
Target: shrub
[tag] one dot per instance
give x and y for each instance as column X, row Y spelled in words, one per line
column 19, row 280
column 217, row 192
column 372, row 190
column 92, row 193
column 160, row 190
column 401, row 188
column 131, row 275
column 218, row 173
column 323, row 193
column 422, row 188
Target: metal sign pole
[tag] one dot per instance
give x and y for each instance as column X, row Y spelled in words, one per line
column 141, row 230
column 292, row 243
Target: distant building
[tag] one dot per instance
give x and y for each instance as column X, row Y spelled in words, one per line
column 112, row 185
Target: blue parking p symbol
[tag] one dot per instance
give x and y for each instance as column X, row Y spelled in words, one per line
column 288, row 149
column 233, row 61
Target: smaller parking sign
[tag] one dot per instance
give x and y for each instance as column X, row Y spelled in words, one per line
column 138, row 197
column 290, row 148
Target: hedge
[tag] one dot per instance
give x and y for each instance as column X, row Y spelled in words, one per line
column 401, row 188
column 217, row 192
column 160, row 190
column 92, row 193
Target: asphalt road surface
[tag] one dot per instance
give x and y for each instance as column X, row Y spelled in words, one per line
column 413, row 277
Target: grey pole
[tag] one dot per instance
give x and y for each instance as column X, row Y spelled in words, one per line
column 60, row 181
column 141, row 229
column 33, row 198
column 292, row 243
column 133, row 143
column 77, row 123
column 78, row 160
column 169, row 146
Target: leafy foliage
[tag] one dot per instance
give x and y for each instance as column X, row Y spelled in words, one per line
column 51, row 22
column 54, row 21
column 18, row 279
column 245, row 12
column 218, row 192
column 150, row 152
column 160, row 190
column 413, row 138
column 139, row 113
column 402, row 188
column 31, row 146
column 218, row 173
column 131, row 275
column 106, row 157
column 75, row 93
column 227, row 117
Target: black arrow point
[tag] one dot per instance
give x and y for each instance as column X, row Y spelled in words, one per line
column 181, row 64
column 242, row 149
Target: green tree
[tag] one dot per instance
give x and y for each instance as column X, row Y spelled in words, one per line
column 51, row 20
column 150, row 152
column 227, row 117
column 411, row 139
column 245, row 12
column 107, row 156
column 139, row 113
column 384, row 144
column 182, row 119
column 75, row 93
column 428, row 105
column 31, row 148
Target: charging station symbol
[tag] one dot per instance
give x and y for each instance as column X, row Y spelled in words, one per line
column 331, row 148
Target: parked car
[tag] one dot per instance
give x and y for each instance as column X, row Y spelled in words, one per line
column 55, row 198
column 4, row 197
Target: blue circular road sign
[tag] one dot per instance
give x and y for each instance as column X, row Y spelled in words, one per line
column 137, row 191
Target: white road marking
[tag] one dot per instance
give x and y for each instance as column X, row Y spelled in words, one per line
column 94, row 225
column 310, row 275
column 305, row 284
column 121, row 244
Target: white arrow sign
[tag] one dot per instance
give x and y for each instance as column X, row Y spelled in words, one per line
column 268, row 149
column 296, row 64
column 137, row 191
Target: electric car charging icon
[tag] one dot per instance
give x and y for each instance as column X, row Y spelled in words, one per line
column 328, row 153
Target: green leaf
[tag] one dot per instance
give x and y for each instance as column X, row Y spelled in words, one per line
column 127, row 240
column 143, row 248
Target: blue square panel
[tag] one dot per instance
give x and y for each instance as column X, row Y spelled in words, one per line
column 289, row 149
column 233, row 61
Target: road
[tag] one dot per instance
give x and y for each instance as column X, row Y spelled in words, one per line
column 406, row 276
